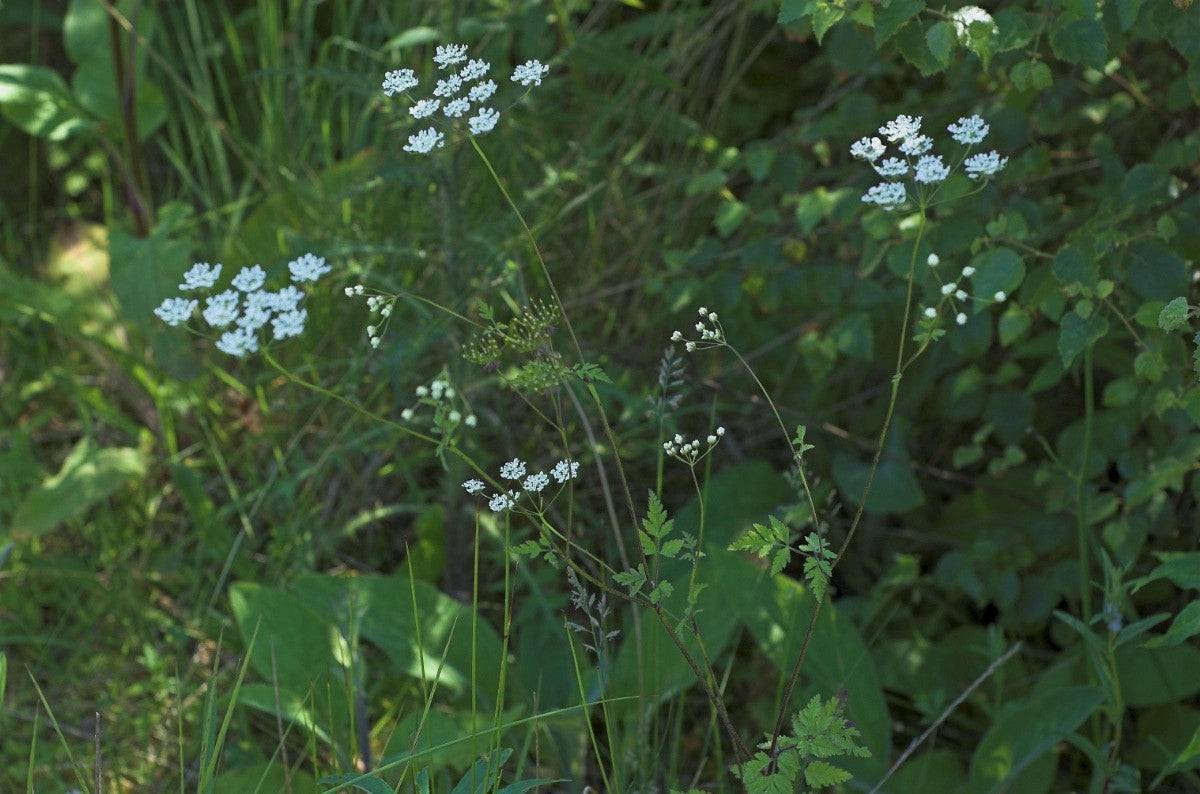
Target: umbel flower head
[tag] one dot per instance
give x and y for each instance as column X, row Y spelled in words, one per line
column 457, row 96
column 926, row 171
column 242, row 313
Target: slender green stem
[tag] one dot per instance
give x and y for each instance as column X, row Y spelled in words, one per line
column 862, row 502
column 1081, row 485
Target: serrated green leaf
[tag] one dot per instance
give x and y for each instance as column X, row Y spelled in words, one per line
column 1076, row 333
column 1072, row 265
column 890, row 18
column 671, row 548
column 1031, row 75
column 780, row 560
column 1173, row 315
column 792, row 10
column 1080, row 41
column 997, row 270
column 825, row 16
column 911, row 43
column 941, row 38
column 820, row 774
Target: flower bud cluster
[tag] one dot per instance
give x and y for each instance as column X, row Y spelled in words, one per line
column 953, row 294
column 378, row 303
column 450, row 410
column 691, row 452
column 709, row 328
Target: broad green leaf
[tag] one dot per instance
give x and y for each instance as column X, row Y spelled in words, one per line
column 293, row 648
column 1072, row 265
column 730, row 217
column 1080, row 41
column 934, row 770
column 37, row 100
column 1025, row 731
column 913, row 46
column 940, row 38
column 1153, row 676
column 1013, row 324
column 1156, row 272
column 1075, row 334
column 1031, row 75
column 89, row 475
column 1173, row 315
column 825, row 16
column 792, row 10
column 890, row 18
column 1182, row 568
column 1185, row 626
column 895, row 488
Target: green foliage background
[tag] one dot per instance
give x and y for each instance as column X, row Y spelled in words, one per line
column 166, row 511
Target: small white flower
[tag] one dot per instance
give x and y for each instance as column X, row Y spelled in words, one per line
column 250, row 278
column 238, row 342
column 448, row 87
column 375, row 342
column 960, row 318
column 931, row 169
column 699, row 326
column 720, row 431
column 887, row 195
column 174, row 311
column 711, row 440
column 473, row 486
column 501, row 502
column 513, row 470
column 481, row 92
column 474, row 69
column 289, row 324
column 963, row 17
column 349, row 292
column 565, row 470
column 399, row 81
column 691, row 347
column 678, row 438
column 450, row 54
column 1000, row 296
column 932, row 260
column 970, row 130
column 221, row 309
column 961, row 294
column 917, row 144
column 456, row 107
column 455, row 417
column 536, row 482
column 931, row 312
column 869, row 149
column 483, row 121
column 676, row 336
column 424, row 108
column 530, row 72
column 422, row 391
column 901, row 127
column 308, row 267
column 984, row 164
column 407, row 414
column 470, row 421
column 892, row 166
column 948, row 288
column 200, row 276
column 424, row 141
column 968, row 271
column 371, row 330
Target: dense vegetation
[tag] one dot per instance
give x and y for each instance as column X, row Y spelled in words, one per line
column 807, row 491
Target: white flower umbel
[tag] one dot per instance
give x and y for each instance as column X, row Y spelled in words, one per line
column 969, row 131
column 473, row 486
column 984, row 164
column 200, row 276
column 483, row 121
column 289, row 324
column 474, row 70
column 250, row 278
column 482, row 92
column 917, row 144
column 221, row 309
column 424, row 108
column 869, row 149
column 901, row 128
column 513, row 470
column 930, row 169
column 691, row 452
column 448, row 87
column 308, row 267
column 176, row 311
column 892, row 166
column 238, row 342
column 502, row 501
column 565, row 470
column 530, row 73
column 456, row 107
column 399, row 81
column 887, row 195
column 534, row 483
column 254, row 314
column 287, row 299
column 425, row 141
column 449, row 54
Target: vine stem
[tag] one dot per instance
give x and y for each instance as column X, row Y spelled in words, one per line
column 1089, row 401
column 794, row 676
